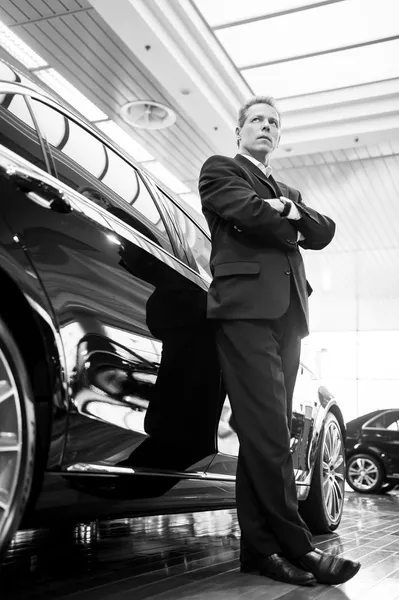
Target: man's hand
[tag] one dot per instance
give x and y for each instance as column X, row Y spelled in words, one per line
column 278, row 205
column 275, row 203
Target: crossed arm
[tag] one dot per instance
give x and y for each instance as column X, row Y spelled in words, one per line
column 225, row 191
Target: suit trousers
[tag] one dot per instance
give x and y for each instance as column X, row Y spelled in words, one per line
column 259, row 361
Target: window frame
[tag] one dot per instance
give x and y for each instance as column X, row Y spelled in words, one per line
column 15, row 89
column 90, row 130
column 177, row 226
column 179, row 233
column 145, row 178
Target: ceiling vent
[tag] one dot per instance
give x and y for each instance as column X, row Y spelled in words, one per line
column 146, row 114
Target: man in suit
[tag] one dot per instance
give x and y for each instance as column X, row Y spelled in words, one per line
column 259, row 301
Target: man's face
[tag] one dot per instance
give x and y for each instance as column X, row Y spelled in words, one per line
column 260, row 133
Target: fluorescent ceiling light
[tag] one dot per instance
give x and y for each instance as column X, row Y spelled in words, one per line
column 19, row 50
column 124, row 140
column 70, row 94
column 220, row 12
column 166, row 177
column 345, row 68
column 259, row 42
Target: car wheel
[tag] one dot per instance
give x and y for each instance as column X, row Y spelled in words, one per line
column 365, row 474
column 17, row 436
column 387, row 487
column 322, row 510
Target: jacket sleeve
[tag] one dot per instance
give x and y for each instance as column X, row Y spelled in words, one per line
column 317, row 229
column 224, row 191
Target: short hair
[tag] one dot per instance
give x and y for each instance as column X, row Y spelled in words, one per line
column 242, row 113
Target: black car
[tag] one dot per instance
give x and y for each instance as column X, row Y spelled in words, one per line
column 372, row 451
column 111, row 400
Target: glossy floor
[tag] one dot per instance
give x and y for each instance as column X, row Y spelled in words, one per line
column 193, row 556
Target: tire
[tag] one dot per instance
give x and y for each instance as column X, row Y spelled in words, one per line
column 322, row 510
column 17, row 436
column 365, row 474
column 387, row 487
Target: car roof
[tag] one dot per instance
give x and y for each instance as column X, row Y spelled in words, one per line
column 11, row 74
column 358, row 422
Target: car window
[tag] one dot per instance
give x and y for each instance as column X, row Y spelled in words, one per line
column 92, row 168
column 387, row 420
column 17, row 129
column 197, row 241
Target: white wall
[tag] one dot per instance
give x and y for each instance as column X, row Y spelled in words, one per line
column 359, row 368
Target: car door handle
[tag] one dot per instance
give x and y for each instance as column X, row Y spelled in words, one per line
column 44, row 194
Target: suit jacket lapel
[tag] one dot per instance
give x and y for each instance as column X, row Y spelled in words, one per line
column 287, row 191
column 277, row 187
column 247, row 164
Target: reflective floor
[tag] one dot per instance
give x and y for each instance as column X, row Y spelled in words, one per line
column 192, row 556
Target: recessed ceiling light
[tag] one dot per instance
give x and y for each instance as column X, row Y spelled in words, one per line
column 146, row 114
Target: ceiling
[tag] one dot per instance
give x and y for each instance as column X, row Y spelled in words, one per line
column 333, row 67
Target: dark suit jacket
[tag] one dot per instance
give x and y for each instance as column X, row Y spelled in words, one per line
column 255, row 256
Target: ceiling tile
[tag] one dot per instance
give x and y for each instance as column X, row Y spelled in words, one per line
column 310, row 32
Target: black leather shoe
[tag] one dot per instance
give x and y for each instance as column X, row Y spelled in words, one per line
column 279, row 568
column 328, row 568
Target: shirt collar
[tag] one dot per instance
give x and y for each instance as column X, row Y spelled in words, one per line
column 266, row 170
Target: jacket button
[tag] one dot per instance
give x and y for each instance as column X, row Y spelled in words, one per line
column 288, row 271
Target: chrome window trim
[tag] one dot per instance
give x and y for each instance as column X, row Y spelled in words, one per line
column 195, row 223
column 36, row 127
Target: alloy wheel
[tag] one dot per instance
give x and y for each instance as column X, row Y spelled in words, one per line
column 333, row 469
column 363, row 473
column 10, row 439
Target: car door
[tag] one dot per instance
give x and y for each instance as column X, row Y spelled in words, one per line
column 140, row 369
column 383, row 432
column 306, row 405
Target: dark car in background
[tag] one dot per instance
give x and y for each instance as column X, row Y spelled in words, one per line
column 111, row 400
column 372, row 451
